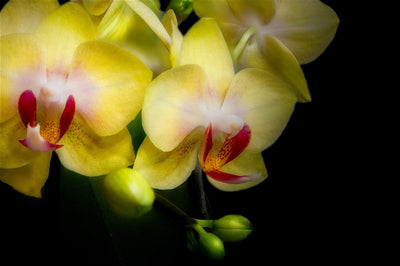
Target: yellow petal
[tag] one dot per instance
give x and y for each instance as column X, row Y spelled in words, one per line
column 264, row 102
column 171, row 25
column 172, row 106
column 205, row 46
column 278, row 60
column 22, row 67
column 29, row 179
column 13, row 154
column 247, row 10
column 305, row 27
column 108, row 84
column 62, row 31
column 89, row 154
column 96, row 7
column 246, row 164
column 168, row 170
column 122, row 26
column 24, row 16
column 219, row 10
column 147, row 14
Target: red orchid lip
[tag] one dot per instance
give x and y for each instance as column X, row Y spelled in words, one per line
column 27, row 106
column 230, row 149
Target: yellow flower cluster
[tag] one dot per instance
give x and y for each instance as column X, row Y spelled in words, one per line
column 73, row 76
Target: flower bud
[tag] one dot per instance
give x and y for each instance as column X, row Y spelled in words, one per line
column 211, row 246
column 232, row 228
column 182, row 8
column 128, row 192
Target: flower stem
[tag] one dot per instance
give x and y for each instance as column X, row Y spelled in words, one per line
column 243, row 42
column 187, row 220
column 200, row 192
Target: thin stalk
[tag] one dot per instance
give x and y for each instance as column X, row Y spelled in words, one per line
column 187, row 220
column 243, row 42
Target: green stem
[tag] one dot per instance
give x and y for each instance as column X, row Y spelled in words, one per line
column 198, row 190
column 243, row 42
column 187, row 220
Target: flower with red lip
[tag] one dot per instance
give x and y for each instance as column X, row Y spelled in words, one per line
column 64, row 91
column 201, row 110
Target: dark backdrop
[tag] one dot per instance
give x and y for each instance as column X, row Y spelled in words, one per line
column 301, row 213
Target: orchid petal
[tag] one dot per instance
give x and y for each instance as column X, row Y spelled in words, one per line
column 89, row 154
column 173, row 107
column 220, row 10
column 27, row 108
column 278, row 60
column 147, row 14
column 13, row 154
column 249, row 166
column 62, row 32
column 29, row 179
column 36, row 142
column 305, row 27
column 168, row 170
column 108, row 84
column 170, row 23
column 96, row 7
column 22, row 68
column 205, row 46
column 213, row 156
column 264, row 102
column 122, row 26
column 248, row 10
column 24, row 16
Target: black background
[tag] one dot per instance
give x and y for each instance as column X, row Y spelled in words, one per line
column 303, row 213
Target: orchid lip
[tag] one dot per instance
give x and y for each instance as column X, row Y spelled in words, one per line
column 43, row 138
column 230, row 149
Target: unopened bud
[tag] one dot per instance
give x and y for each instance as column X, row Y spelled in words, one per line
column 128, row 192
column 232, row 228
column 211, row 246
column 182, row 8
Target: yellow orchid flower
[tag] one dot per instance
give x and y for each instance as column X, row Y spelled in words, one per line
column 64, row 91
column 200, row 110
column 274, row 35
column 305, row 27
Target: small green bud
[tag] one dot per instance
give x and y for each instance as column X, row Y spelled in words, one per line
column 182, row 8
column 211, row 246
column 128, row 192
column 232, row 228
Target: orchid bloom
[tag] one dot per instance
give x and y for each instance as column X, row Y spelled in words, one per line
column 306, row 27
column 274, row 35
column 200, row 110
column 64, row 91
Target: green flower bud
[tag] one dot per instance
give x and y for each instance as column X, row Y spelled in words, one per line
column 128, row 192
column 232, row 228
column 182, row 8
column 211, row 246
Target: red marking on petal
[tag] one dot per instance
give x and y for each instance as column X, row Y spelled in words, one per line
column 230, row 149
column 237, row 143
column 67, row 116
column 206, row 144
column 228, row 178
column 27, row 108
